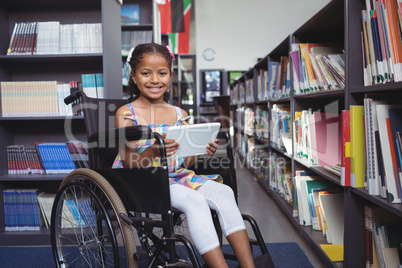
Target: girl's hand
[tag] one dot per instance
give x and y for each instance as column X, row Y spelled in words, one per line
column 212, row 147
column 170, row 144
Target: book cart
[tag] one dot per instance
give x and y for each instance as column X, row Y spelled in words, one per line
column 59, row 67
column 338, row 22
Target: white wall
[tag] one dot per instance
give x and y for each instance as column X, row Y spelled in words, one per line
column 241, row 31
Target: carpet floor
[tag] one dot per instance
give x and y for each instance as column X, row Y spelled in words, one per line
column 284, row 255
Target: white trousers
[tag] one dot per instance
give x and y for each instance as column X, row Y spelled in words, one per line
column 197, row 205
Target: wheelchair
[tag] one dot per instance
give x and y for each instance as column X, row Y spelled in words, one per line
column 99, row 213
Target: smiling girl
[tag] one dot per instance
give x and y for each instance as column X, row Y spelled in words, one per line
column 192, row 194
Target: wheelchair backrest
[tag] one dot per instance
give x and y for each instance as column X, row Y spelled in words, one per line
column 99, row 116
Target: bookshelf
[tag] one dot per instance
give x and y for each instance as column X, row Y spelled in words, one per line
column 184, row 81
column 59, row 67
column 134, row 34
column 212, row 84
column 338, row 22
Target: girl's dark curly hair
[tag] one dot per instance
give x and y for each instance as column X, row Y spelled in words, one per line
column 136, row 57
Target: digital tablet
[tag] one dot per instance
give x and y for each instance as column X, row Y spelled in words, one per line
column 193, row 139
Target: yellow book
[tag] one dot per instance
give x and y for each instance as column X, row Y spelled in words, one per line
column 334, row 252
column 357, row 154
column 310, row 72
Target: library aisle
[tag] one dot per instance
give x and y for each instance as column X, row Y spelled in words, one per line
column 274, row 225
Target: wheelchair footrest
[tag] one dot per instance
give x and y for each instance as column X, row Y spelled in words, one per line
column 179, row 264
column 262, row 261
column 140, row 255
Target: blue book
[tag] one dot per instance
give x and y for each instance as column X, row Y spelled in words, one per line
column 273, row 69
column 130, row 14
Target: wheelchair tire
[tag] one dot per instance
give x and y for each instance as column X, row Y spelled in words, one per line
column 89, row 206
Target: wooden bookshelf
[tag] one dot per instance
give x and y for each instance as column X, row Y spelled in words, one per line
column 59, row 67
column 338, row 22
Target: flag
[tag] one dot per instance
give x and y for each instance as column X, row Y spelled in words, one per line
column 165, row 15
column 175, row 21
column 171, row 13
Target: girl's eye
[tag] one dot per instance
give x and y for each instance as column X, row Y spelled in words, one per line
column 163, row 74
column 145, row 74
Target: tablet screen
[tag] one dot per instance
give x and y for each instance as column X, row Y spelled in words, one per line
column 193, row 139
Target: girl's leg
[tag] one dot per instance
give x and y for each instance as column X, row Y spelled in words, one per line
column 200, row 224
column 241, row 247
column 214, row 258
column 220, row 197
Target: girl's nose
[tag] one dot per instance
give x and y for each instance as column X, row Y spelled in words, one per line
column 154, row 79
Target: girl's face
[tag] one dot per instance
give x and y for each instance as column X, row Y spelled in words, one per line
column 152, row 77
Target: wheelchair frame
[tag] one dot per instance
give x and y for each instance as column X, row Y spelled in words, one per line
column 112, row 204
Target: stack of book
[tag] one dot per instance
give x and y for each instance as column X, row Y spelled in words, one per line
column 38, row 98
column 249, row 119
column 280, row 177
column 383, row 238
column 21, row 210
column 31, row 209
column 262, row 85
column 262, row 124
column 317, row 137
column 280, row 124
column 249, row 90
column 92, row 85
column 47, row 158
column 278, row 84
column 317, row 67
column 51, row 37
column 381, row 42
column 132, row 39
column 375, row 157
column 319, row 204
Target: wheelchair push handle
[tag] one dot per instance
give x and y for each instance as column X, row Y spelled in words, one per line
column 73, row 97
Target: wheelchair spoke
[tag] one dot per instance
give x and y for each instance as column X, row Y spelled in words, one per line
column 84, row 236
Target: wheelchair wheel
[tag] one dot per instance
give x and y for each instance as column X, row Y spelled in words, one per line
column 86, row 230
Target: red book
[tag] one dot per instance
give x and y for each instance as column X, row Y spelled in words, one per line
column 345, row 161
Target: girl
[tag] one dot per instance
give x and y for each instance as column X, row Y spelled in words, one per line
column 194, row 195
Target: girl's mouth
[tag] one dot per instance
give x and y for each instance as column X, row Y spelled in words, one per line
column 154, row 89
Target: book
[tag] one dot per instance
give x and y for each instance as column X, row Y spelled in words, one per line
column 273, row 69
column 302, row 197
column 357, row 148
column 313, row 187
column 334, row 252
column 328, row 138
column 333, row 208
column 395, row 120
column 385, row 229
column 345, row 151
column 395, row 40
column 130, row 14
column 388, row 153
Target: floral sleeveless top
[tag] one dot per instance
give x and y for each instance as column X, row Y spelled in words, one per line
column 177, row 174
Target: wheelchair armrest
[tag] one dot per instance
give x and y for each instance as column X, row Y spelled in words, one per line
column 116, row 136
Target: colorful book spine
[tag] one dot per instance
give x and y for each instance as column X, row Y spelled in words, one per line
column 345, row 176
column 357, row 151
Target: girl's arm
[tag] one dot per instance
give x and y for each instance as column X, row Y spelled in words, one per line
column 129, row 158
